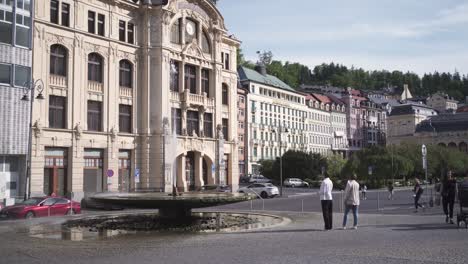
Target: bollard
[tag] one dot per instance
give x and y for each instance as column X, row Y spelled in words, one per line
column 378, row 201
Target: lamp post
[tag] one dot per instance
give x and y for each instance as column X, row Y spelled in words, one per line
column 281, row 157
column 30, row 88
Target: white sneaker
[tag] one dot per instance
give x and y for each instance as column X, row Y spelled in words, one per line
column 344, row 227
column 354, row 227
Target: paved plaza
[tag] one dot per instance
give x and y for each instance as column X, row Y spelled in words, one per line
column 381, row 238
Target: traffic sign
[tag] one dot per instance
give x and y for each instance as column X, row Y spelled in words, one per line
column 424, row 150
column 110, row 173
column 137, row 175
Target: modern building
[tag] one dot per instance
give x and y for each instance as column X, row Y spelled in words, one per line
column 404, row 119
column 442, row 103
column 275, row 119
column 15, row 79
column 138, row 96
column 242, row 129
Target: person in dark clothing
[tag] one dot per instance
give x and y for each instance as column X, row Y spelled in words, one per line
column 449, row 190
column 418, row 191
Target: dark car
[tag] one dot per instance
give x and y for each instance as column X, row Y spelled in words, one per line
column 41, row 207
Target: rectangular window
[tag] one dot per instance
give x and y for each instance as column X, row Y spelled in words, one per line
column 5, row 74
column 121, row 30
column 208, row 125
column 65, row 14
column 174, row 76
column 6, row 26
column 130, row 33
column 54, row 11
column 190, row 79
column 225, row 128
column 192, row 123
column 23, row 32
column 94, row 116
column 101, row 23
column 176, row 121
column 205, row 79
column 91, row 22
column 226, row 61
column 57, row 111
column 22, row 75
column 125, row 118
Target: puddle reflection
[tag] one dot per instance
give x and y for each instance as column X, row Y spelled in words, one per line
column 211, row 223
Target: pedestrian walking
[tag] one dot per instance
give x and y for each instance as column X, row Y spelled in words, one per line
column 418, row 191
column 327, row 202
column 448, row 192
column 351, row 201
column 390, row 190
column 364, row 192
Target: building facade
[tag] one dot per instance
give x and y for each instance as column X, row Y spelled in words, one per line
column 404, row 119
column 442, row 103
column 275, row 119
column 137, row 97
column 15, row 77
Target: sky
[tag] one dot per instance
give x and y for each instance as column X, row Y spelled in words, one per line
column 408, row 35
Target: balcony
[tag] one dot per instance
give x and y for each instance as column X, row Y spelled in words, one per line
column 58, row 81
column 96, row 87
column 126, row 92
column 193, row 99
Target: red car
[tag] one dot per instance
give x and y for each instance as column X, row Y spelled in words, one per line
column 40, row 207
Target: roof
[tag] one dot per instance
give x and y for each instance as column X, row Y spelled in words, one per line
column 335, row 99
column 407, row 109
column 252, row 75
column 444, row 123
column 322, row 98
column 384, row 101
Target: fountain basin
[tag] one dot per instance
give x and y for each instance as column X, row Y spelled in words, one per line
column 170, row 206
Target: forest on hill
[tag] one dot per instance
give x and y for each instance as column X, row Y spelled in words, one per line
column 332, row 74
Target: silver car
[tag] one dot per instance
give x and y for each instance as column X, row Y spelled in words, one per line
column 265, row 190
column 295, row 182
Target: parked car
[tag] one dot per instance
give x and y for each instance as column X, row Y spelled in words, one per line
column 216, row 188
column 40, row 207
column 265, row 190
column 295, row 182
column 259, row 179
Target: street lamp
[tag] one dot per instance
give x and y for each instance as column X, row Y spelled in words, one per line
column 280, row 130
column 29, row 90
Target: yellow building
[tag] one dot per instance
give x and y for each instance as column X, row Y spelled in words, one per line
column 121, row 77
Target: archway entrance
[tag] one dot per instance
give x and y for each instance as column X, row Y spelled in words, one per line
column 190, row 170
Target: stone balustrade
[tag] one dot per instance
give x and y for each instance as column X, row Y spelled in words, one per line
column 95, row 87
column 58, row 81
column 126, row 91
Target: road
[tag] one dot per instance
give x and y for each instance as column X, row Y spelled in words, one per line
column 307, row 200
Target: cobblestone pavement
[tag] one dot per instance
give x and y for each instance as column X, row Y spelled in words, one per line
column 379, row 239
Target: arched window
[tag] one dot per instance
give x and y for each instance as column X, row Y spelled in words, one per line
column 58, row 60
column 176, row 32
column 225, row 92
column 95, row 67
column 206, row 43
column 125, row 74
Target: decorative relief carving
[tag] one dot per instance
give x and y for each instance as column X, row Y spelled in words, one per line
column 78, row 131
column 113, row 134
column 37, row 128
column 193, row 49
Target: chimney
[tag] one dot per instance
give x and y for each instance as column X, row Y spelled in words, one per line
column 261, row 68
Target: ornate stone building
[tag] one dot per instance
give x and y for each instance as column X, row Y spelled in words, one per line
column 136, row 94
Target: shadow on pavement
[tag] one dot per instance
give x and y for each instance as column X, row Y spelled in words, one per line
column 420, row 227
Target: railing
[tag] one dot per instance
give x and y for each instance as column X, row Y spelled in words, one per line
column 175, row 96
column 95, row 87
column 196, row 99
column 126, row 91
column 57, row 80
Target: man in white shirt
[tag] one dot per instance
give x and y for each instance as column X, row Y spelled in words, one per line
column 327, row 202
column 351, row 200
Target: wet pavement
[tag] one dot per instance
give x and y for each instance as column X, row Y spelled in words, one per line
column 379, row 239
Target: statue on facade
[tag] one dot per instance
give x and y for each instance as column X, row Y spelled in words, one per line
column 37, row 128
column 219, row 131
column 78, row 131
